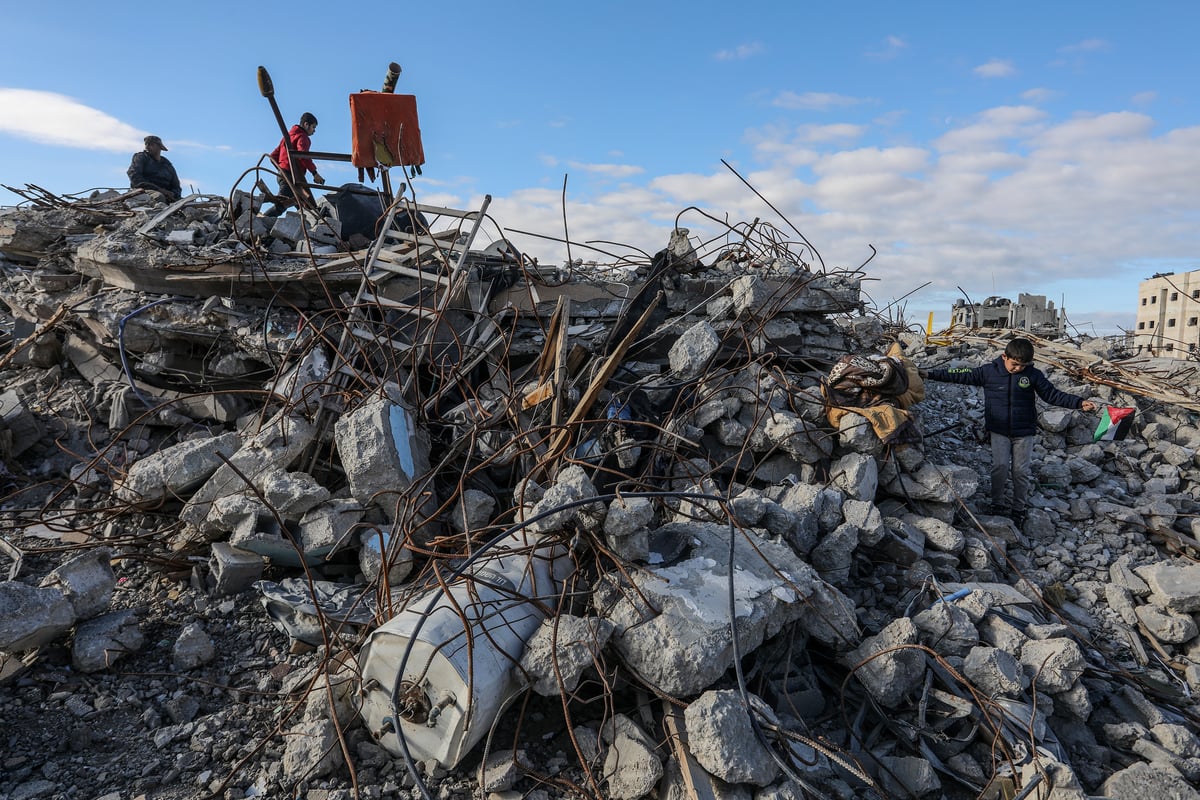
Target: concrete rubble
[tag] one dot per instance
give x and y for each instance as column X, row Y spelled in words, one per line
column 672, row 546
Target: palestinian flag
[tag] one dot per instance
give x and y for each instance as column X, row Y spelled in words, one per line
column 1114, row 424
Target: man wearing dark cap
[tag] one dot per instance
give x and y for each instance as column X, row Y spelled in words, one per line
column 149, row 170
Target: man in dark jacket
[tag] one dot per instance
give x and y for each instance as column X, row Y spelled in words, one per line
column 1010, row 384
column 149, row 170
column 291, row 174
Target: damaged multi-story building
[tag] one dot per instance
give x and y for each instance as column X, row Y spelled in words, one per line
column 1032, row 313
column 1168, row 314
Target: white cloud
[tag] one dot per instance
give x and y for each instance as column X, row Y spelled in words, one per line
column 1039, row 95
column 813, row 101
column 1085, row 46
column 829, row 133
column 992, row 126
column 892, row 47
column 1144, row 98
column 996, row 68
column 50, row 118
column 741, row 52
column 608, row 170
column 1012, row 200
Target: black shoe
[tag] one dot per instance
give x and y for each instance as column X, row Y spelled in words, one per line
column 1018, row 516
column 994, row 509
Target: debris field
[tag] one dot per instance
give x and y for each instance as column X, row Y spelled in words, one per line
column 319, row 508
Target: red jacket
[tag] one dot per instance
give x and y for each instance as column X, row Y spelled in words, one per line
column 299, row 142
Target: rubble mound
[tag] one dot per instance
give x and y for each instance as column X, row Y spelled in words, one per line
column 425, row 519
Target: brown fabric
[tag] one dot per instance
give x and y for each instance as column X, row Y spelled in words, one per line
column 878, row 388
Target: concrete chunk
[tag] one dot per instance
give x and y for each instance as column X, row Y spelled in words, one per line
column 173, row 473
column 631, row 765
column 564, row 647
column 276, row 446
column 24, row 428
column 1177, row 587
column 31, row 617
column 890, row 676
column 101, row 641
column 384, row 452
column 1142, row 780
column 693, row 349
column 939, row 483
column 87, row 581
column 721, row 737
column 1053, row 664
column 193, row 648
column 681, row 640
column 233, row 569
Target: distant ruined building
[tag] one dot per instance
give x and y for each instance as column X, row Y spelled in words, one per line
column 1031, row 312
column 1168, row 314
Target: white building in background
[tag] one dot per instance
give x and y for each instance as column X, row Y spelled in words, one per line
column 1168, row 314
column 1030, row 313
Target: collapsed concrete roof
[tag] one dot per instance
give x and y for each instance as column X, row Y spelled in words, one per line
column 452, row 475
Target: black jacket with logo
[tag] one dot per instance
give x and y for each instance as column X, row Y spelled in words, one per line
column 1009, row 408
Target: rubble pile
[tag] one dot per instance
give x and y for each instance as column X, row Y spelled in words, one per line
column 409, row 517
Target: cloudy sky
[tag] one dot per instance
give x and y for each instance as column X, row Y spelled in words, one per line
column 981, row 149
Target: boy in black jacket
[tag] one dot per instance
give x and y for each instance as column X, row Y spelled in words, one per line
column 1010, row 383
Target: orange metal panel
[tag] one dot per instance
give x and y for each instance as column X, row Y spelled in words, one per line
column 384, row 127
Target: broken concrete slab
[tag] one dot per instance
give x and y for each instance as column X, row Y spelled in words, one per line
column 87, row 581
column 174, row 472
column 31, row 617
column 102, row 641
column 276, row 445
column 722, row 737
column 384, row 452
column 681, row 640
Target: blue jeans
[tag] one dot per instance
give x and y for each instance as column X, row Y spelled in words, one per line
column 1012, row 457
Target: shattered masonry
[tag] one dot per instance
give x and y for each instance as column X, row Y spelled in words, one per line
column 699, row 504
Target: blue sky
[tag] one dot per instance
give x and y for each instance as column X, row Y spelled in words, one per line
column 1048, row 148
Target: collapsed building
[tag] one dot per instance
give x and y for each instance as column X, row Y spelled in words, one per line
column 1032, row 313
column 696, row 503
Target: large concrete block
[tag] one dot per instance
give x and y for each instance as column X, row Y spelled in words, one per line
column 31, row 617
column 276, row 446
column 175, row 472
column 674, row 629
column 384, row 454
column 87, row 581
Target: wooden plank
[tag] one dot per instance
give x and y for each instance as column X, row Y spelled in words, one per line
column 696, row 780
column 607, row 370
column 560, row 361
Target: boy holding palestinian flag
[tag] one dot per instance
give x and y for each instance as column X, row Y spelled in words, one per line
column 1010, row 385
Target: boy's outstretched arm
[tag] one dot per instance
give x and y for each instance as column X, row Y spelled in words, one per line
column 1056, row 397
column 965, row 375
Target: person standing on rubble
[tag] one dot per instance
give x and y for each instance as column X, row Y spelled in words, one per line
column 149, row 170
column 1010, row 386
column 291, row 174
